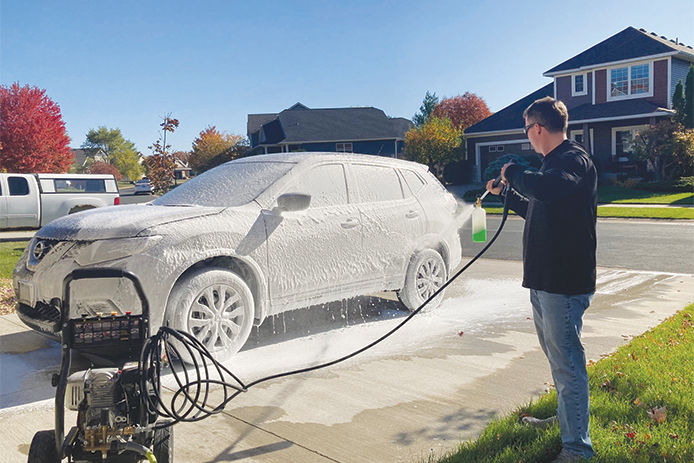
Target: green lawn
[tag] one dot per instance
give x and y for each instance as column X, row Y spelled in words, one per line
column 631, row 212
column 642, row 407
column 10, row 252
column 617, row 194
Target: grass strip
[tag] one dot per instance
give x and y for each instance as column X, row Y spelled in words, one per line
column 10, row 252
column 642, row 407
column 631, row 212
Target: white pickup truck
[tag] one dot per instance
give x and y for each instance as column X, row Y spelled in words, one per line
column 33, row 200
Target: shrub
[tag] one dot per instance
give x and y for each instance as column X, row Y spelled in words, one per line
column 100, row 167
column 494, row 168
column 455, row 173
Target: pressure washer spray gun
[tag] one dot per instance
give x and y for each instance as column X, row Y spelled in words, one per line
column 479, row 216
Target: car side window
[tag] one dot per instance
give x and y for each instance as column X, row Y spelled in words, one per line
column 413, row 180
column 326, row 184
column 377, row 183
column 18, row 186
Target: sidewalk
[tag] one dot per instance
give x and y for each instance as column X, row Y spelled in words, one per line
column 16, row 235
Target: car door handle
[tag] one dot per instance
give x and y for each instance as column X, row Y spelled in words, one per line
column 412, row 214
column 350, row 223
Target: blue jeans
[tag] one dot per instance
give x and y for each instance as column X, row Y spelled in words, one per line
column 558, row 322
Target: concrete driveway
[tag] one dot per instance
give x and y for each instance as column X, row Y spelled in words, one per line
column 436, row 382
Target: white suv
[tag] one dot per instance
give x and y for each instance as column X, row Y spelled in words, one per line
column 251, row 238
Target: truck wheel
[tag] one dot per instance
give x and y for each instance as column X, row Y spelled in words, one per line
column 43, row 449
column 80, row 209
column 163, row 447
column 216, row 307
column 425, row 275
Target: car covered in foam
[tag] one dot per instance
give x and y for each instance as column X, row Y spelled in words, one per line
column 249, row 239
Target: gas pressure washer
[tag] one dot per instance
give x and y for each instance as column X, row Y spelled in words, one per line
column 121, row 414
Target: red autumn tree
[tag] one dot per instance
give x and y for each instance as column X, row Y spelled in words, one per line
column 463, row 110
column 32, row 132
column 100, row 167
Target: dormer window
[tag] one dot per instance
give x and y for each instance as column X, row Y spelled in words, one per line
column 578, row 85
column 630, row 81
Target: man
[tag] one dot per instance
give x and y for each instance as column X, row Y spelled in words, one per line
column 559, row 205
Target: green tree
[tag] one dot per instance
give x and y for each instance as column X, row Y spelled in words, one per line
column 689, row 99
column 434, row 143
column 679, row 103
column 428, row 104
column 121, row 152
column 212, row 148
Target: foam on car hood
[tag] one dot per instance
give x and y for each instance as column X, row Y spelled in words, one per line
column 118, row 221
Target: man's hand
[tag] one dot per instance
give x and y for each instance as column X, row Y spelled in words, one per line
column 497, row 190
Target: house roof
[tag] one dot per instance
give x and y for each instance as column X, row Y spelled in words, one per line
column 81, row 154
column 628, row 44
column 301, row 124
column 511, row 117
column 617, row 109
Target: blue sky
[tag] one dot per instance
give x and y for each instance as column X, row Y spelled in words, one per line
column 126, row 64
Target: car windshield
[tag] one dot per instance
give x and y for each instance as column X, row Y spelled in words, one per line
column 231, row 184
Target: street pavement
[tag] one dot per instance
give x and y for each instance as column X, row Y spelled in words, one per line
column 438, row 381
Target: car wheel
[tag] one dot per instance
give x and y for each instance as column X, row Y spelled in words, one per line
column 425, row 275
column 216, row 307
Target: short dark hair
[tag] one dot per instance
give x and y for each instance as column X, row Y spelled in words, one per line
column 549, row 113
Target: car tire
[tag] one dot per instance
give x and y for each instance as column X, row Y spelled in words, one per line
column 199, row 305
column 80, row 209
column 425, row 275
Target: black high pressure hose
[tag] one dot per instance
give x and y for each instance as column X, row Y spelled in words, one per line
column 191, row 401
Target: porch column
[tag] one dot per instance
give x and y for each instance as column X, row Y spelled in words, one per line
column 586, row 139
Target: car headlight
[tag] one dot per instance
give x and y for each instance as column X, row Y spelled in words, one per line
column 106, row 250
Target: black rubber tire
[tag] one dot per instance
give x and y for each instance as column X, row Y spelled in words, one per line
column 163, row 447
column 43, row 448
column 80, row 209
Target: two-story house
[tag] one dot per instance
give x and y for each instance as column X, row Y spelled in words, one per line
column 612, row 90
column 351, row 130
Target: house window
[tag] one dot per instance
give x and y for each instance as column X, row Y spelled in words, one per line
column 630, row 81
column 496, row 148
column 623, row 141
column 343, row 147
column 578, row 86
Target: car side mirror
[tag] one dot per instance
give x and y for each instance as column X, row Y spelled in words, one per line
column 291, row 202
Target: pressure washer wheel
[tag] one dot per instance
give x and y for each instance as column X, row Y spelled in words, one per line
column 216, row 307
column 163, row 447
column 43, row 448
column 425, row 275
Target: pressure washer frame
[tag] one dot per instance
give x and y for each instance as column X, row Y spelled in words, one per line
column 67, row 344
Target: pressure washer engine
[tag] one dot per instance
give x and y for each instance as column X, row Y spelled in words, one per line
column 114, row 422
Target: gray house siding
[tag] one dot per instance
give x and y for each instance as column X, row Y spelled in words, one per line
column 679, row 72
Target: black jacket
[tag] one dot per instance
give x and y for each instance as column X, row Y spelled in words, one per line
column 559, row 205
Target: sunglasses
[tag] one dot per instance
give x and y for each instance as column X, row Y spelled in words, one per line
column 527, row 128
